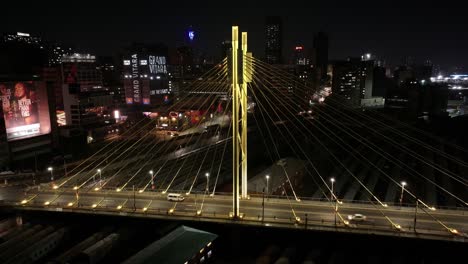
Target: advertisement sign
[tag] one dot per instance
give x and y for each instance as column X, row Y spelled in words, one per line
column 25, row 109
column 157, row 64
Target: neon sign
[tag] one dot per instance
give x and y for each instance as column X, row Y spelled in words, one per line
column 191, row 34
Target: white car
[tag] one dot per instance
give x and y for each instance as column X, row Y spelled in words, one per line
column 177, row 197
column 357, row 217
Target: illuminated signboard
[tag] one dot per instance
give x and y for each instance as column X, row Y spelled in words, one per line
column 25, row 109
column 135, row 79
column 157, row 64
column 191, row 35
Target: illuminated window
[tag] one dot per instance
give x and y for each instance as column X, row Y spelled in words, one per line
column 126, row 62
column 143, row 62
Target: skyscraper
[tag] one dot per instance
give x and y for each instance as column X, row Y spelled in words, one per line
column 273, row 39
column 320, row 58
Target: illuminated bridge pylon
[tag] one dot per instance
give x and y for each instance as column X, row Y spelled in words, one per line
column 241, row 74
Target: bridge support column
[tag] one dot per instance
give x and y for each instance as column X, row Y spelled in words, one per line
column 235, row 122
column 243, row 110
column 241, row 74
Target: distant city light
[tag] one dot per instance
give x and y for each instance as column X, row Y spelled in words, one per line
column 116, row 114
column 299, row 47
column 191, row 34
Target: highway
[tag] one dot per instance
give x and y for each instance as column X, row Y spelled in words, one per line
column 391, row 220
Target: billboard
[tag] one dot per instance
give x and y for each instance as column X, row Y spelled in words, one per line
column 25, row 109
column 141, row 71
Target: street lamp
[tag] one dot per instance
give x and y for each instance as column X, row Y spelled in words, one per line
column 263, row 202
column 51, row 173
column 332, row 183
column 100, row 177
column 403, row 184
column 332, row 197
column 207, row 181
column 267, row 179
column 152, row 175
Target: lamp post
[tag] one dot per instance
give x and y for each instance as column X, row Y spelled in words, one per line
column 65, row 165
column 332, row 197
column 51, row 173
column 403, row 184
column 134, row 205
column 100, row 177
column 267, row 179
column 77, row 198
column 151, row 172
column 415, row 214
column 263, row 204
column 332, row 183
column 207, row 181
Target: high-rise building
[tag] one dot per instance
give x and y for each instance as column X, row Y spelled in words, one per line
column 347, row 80
column 22, row 54
column 111, row 78
column 353, row 80
column 273, row 40
column 53, row 51
column 81, row 69
column 320, row 54
column 145, row 75
column 56, row 53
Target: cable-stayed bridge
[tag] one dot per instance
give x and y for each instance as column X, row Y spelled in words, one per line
column 269, row 150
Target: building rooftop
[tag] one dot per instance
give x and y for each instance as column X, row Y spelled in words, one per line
column 178, row 247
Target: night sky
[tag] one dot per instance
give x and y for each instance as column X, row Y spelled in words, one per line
column 389, row 29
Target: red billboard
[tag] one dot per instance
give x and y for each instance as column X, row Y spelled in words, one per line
column 25, row 109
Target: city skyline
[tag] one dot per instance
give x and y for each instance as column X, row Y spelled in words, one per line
column 232, row 133
column 391, row 32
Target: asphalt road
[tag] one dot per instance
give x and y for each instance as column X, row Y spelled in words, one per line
column 276, row 210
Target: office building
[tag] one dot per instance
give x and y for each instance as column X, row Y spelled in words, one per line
column 273, row 40
column 145, row 75
column 320, row 54
column 353, row 82
column 81, row 69
column 111, row 79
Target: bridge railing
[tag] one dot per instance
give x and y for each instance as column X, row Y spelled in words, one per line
column 309, row 222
